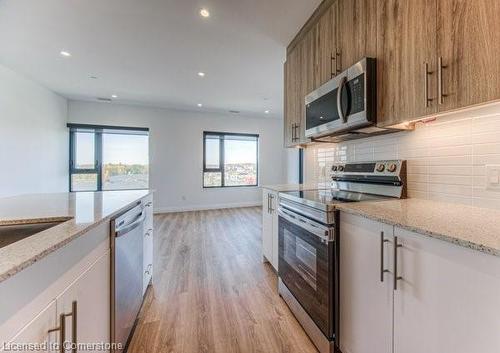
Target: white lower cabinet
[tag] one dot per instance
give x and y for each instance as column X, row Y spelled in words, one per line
column 270, row 244
column 86, row 306
column 446, row 298
column 365, row 301
column 40, row 332
column 148, row 243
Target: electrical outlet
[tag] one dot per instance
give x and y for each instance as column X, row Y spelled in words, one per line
column 493, row 177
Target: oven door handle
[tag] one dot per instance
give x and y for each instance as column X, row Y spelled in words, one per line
column 326, row 234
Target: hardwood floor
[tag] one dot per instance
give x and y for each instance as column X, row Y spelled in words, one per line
column 211, row 292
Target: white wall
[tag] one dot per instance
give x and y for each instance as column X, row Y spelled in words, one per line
column 33, row 137
column 292, row 166
column 176, row 151
column 447, row 158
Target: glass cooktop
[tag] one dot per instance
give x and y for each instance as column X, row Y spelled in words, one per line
column 326, row 197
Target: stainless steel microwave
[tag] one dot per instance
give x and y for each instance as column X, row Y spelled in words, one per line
column 345, row 105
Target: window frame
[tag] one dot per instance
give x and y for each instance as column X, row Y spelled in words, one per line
column 220, row 170
column 98, row 131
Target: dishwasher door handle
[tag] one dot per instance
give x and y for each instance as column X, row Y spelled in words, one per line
column 130, row 226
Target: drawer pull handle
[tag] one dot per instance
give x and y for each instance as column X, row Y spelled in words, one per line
column 396, row 277
column 382, row 244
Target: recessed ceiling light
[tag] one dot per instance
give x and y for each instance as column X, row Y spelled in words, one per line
column 200, row 105
column 114, row 96
column 201, row 74
column 65, row 53
column 267, row 112
column 204, row 13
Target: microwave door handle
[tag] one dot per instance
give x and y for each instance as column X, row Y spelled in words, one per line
column 342, row 84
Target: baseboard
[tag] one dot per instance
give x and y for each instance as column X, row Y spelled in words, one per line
column 206, row 207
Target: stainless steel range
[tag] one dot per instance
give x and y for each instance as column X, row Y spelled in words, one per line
column 308, row 237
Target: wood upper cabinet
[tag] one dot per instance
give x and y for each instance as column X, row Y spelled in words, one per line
column 307, row 51
column 357, row 31
column 406, row 60
column 325, row 32
column 469, row 45
column 292, row 98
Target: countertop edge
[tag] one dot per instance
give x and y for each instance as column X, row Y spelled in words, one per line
column 27, row 263
column 424, row 232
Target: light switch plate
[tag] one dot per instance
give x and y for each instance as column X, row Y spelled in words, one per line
column 493, row 177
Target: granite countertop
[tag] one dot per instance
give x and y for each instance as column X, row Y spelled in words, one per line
column 472, row 227
column 78, row 212
column 290, row 187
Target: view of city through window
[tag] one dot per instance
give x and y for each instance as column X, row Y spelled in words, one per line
column 230, row 160
column 122, row 161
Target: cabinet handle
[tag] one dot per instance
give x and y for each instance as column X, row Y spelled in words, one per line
column 61, row 329
column 271, row 209
column 426, row 84
column 293, row 132
column 396, row 277
column 333, row 72
column 297, row 127
column 441, row 95
column 74, row 326
column 148, row 232
column 337, row 60
column 382, row 244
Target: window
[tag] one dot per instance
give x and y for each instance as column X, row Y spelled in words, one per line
column 230, row 159
column 108, row 158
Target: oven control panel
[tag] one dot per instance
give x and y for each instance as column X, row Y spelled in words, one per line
column 379, row 168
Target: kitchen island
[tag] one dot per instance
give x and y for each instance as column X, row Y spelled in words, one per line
column 63, row 269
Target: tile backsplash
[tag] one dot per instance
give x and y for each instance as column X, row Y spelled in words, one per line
column 446, row 158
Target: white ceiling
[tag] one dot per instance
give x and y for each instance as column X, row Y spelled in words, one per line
column 149, row 51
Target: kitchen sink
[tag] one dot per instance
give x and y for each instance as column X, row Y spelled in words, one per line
column 12, row 233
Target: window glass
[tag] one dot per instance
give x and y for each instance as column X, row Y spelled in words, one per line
column 240, row 162
column 84, row 182
column 108, row 158
column 84, row 150
column 125, row 161
column 212, row 152
column 212, row 179
column 236, row 166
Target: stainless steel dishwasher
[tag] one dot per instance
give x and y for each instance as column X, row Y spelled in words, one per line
column 126, row 274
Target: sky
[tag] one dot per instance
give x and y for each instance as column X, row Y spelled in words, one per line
column 234, row 152
column 126, row 149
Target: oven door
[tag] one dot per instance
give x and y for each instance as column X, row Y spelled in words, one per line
column 307, row 267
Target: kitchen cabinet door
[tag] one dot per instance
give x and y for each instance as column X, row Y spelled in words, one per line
column 357, row 31
column 325, row 47
column 406, row 60
column 307, row 53
column 292, row 98
column 91, row 292
column 267, row 226
column 148, row 243
column 469, row 45
column 275, row 230
column 365, row 301
column 447, row 299
column 37, row 331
